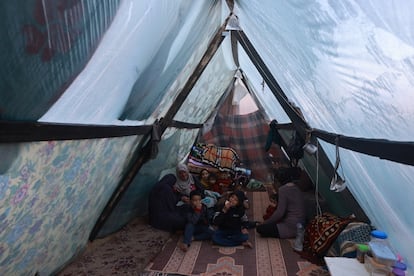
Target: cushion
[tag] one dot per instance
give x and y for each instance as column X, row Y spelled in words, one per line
column 322, row 231
column 354, row 233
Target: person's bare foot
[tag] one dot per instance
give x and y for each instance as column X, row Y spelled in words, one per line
column 247, row 244
column 183, row 247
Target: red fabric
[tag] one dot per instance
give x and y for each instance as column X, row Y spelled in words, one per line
column 269, row 212
column 320, row 234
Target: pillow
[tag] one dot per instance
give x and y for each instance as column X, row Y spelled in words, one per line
column 322, row 231
column 354, row 233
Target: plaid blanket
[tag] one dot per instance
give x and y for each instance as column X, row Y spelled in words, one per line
column 223, row 158
column 247, row 135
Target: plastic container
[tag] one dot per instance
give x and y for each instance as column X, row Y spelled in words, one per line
column 399, row 268
column 375, row 268
column 362, row 250
column 398, row 272
column 382, row 253
column 244, row 171
column 400, row 265
column 380, row 249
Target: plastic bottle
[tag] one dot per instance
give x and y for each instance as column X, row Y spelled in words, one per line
column 300, row 233
column 362, row 250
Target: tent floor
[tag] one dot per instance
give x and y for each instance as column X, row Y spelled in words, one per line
column 137, row 248
column 125, row 252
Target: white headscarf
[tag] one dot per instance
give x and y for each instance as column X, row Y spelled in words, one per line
column 183, row 186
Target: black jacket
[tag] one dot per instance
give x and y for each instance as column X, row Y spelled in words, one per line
column 234, row 219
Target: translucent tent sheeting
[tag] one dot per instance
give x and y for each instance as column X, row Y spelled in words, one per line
column 59, row 179
column 175, row 144
column 45, row 45
column 347, row 65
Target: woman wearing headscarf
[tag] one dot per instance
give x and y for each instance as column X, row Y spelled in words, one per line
column 165, row 212
column 185, row 183
column 162, row 206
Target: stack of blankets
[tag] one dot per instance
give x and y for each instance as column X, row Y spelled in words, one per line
column 223, row 159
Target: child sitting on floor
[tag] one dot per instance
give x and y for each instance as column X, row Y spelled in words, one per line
column 197, row 222
column 232, row 223
column 212, row 182
column 224, row 181
column 271, row 207
column 203, row 177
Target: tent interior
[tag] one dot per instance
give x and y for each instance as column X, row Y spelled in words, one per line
column 100, row 99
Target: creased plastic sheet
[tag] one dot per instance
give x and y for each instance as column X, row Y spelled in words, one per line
column 45, row 45
column 349, row 66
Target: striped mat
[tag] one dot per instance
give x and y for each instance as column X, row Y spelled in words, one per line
column 268, row 257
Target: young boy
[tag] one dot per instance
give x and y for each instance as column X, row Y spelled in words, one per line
column 232, row 223
column 197, row 226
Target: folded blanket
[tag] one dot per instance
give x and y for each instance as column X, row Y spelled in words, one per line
column 223, row 158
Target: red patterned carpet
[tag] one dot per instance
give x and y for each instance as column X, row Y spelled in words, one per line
column 268, row 257
column 139, row 249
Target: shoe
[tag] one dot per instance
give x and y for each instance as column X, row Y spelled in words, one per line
column 253, row 224
column 247, row 244
column 183, row 247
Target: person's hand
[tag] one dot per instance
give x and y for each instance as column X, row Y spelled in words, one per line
column 245, row 231
column 226, row 206
column 246, row 204
column 185, row 199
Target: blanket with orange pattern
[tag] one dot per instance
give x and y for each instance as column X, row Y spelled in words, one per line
column 222, row 158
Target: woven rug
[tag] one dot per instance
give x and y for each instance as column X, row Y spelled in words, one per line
column 268, row 257
column 126, row 252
